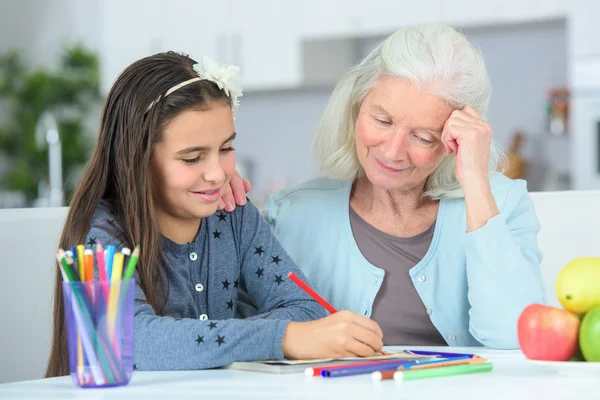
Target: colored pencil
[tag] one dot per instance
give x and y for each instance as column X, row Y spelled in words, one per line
column 363, row 369
column 115, row 279
column 98, row 344
column 109, row 254
column 386, row 375
column 88, row 346
column 81, row 264
column 442, row 371
column 130, row 270
column 444, row 363
column 439, row 354
column 102, row 268
column 82, row 315
column 89, row 264
column 113, row 297
column 81, row 261
column 62, row 261
column 316, row 371
column 311, row 292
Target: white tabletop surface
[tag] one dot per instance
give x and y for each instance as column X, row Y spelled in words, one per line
column 513, row 377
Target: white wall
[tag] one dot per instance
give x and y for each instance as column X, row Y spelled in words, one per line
column 584, row 60
column 41, row 28
column 343, row 18
column 275, row 130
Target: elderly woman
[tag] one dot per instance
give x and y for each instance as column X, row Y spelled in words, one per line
column 412, row 225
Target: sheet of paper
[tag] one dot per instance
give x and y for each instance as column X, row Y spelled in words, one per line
column 404, row 355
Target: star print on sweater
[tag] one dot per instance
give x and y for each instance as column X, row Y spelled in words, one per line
column 222, row 217
column 276, row 260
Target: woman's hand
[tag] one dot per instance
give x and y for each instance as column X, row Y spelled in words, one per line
column 470, row 137
column 343, row 334
column 234, row 193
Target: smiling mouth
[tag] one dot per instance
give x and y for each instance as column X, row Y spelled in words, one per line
column 210, row 195
column 389, row 169
column 207, row 192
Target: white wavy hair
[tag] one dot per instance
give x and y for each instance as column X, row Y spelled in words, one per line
column 437, row 58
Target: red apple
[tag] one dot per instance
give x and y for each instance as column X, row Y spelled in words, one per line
column 548, row 333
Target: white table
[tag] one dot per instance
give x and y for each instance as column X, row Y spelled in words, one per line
column 513, row 377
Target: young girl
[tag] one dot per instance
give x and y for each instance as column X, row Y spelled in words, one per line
column 164, row 153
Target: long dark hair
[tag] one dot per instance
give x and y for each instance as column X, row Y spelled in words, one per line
column 118, row 172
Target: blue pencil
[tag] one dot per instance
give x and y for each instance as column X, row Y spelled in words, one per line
column 108, row 260
column 439, row 354
column 364, row 369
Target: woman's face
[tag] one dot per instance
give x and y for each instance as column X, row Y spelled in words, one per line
column 398, row 134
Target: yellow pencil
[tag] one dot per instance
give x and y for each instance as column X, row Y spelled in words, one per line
column 115, row 287
column 81, row 262
column 81, row 266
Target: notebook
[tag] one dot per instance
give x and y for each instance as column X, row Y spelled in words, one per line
column 291, row 366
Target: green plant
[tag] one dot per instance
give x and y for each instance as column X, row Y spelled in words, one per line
column 69, row 93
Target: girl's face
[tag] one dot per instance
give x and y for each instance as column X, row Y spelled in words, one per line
column 193, row 162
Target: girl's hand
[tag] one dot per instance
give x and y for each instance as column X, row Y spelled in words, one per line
column 343, row 334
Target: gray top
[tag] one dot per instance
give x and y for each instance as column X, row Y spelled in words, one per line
column 232, row 252
column 398, row 309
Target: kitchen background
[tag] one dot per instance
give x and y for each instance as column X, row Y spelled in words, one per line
column 58, row 58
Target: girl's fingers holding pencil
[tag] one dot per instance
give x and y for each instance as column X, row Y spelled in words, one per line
column 366, row 323
column 368, row 338
column 332, row 336
column 356, row 348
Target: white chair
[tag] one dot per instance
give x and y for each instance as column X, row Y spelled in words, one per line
column 29, row 238
column 570, row 223
column 28, row 242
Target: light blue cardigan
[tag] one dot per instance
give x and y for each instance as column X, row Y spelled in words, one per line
column 474, row 285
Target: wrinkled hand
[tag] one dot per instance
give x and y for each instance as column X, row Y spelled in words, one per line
column 469, row 136
column 234, row 193
column 343, row 334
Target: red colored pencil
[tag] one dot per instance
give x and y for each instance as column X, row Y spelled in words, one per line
column 311, row 293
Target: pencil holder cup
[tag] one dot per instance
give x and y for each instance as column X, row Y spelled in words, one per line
column 99, row 320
